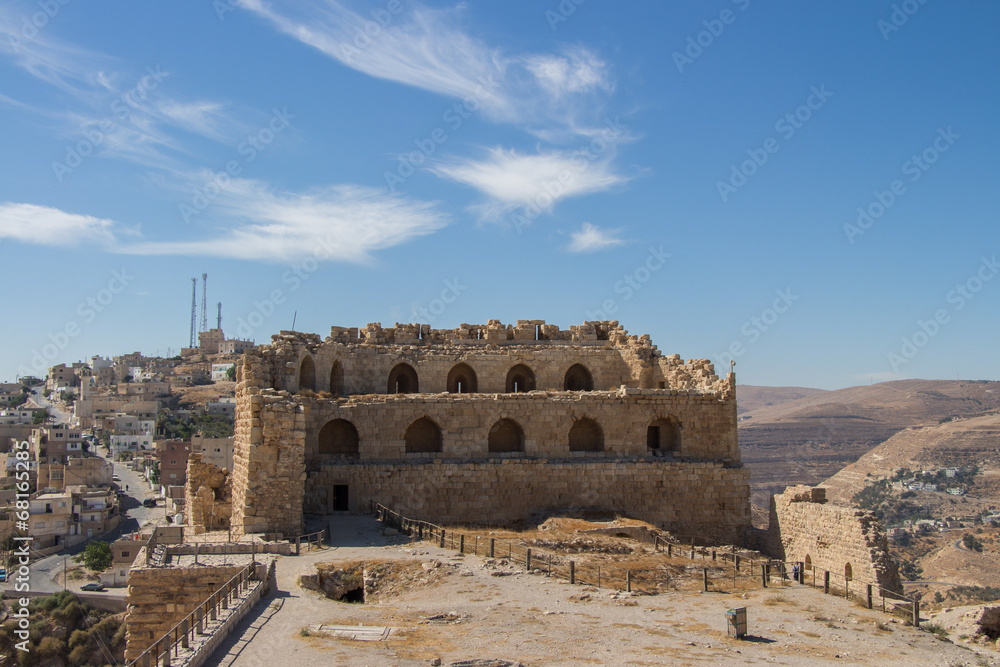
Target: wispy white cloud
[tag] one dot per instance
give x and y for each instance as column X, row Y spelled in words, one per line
column 340, row 223
column 426, row 48
column 345, row 223
column 206, row 118
column 138, row 119
column 592, row 238
column 43, row 225
column 510, row 179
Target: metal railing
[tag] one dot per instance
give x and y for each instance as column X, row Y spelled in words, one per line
column 312, row 540
column 183, row 634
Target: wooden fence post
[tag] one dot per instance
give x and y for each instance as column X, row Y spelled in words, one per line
column 826, row 582
column 916, row 612
column 670, row 550
column 713, row 554
column 461, row 544
column 763, row 575
column 442, row 538
column 572, row 572
column 527, row 558
column 704, row 574
column 628, row 580
column 493, row 544
column 737, row 560
column 870, row 599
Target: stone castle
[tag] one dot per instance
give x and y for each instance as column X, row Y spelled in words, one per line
column 480, row 424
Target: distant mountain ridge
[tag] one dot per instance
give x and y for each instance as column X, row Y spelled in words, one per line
column 797, row 435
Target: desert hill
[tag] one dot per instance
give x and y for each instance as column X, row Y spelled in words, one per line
column 787, row 438
column 961, row 442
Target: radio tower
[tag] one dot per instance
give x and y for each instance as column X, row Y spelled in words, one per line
column 194, row 308
column 204, row 302
column 219, row 324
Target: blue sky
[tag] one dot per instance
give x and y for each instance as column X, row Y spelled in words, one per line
column 806, row 189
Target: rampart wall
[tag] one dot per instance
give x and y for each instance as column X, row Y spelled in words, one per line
column 844, row 540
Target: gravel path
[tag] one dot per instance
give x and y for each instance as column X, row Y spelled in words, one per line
column 535, row 620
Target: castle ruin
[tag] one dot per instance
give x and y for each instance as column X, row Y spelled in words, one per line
column 484, row 424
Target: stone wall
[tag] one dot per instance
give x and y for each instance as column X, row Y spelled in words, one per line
column 160, row 597
column 704, row 498
column 208, row 498
column 707, row 424
column 803, row 528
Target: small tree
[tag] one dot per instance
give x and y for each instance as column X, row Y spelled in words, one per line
column 97, row 555
column 231, row 373
column 971, row 543
column 40, row 417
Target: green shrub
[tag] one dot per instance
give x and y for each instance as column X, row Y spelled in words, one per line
column 79, row 638
column 50, row 647
column 80, row 655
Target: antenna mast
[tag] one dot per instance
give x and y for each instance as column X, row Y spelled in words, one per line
column 204, row 302
column 194, row 308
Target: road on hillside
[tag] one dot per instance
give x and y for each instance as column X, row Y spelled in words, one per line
column 57, row 415
column 47, row 573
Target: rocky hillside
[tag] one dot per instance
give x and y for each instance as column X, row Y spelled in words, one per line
column 792, row 435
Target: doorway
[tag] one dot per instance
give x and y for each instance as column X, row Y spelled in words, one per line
column 341, row 502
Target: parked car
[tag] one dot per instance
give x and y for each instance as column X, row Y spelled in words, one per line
column 94, row 587
column 149, row 502
column 116, row 478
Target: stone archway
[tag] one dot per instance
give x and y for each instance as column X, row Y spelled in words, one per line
column 506, row 436
column 403, row 380
column 337, row 379
column 462, row 380
column 307, row 374
column 578, row 378
column 338, row 437
column 520, row 378
column 664, row 435
column 423, row 435
column 586, row 436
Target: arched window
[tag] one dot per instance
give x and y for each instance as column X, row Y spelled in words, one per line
column 506, row 436
column 462, row 380
column 578, row 378
column 423, row 435
column 586, row 436
column 338, row 437
column 403, row 380
column 664, row 435
column 848, row 572
column 307, row 374
column 520, row 379
column 337, row 379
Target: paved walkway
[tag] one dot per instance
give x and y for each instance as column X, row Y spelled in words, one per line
column 274, row 626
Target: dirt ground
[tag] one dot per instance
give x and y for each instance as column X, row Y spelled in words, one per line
column 456, row 609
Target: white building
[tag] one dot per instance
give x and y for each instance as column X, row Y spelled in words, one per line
column 219, row 371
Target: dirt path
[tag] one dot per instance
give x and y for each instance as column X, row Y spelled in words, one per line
column 540, row 621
